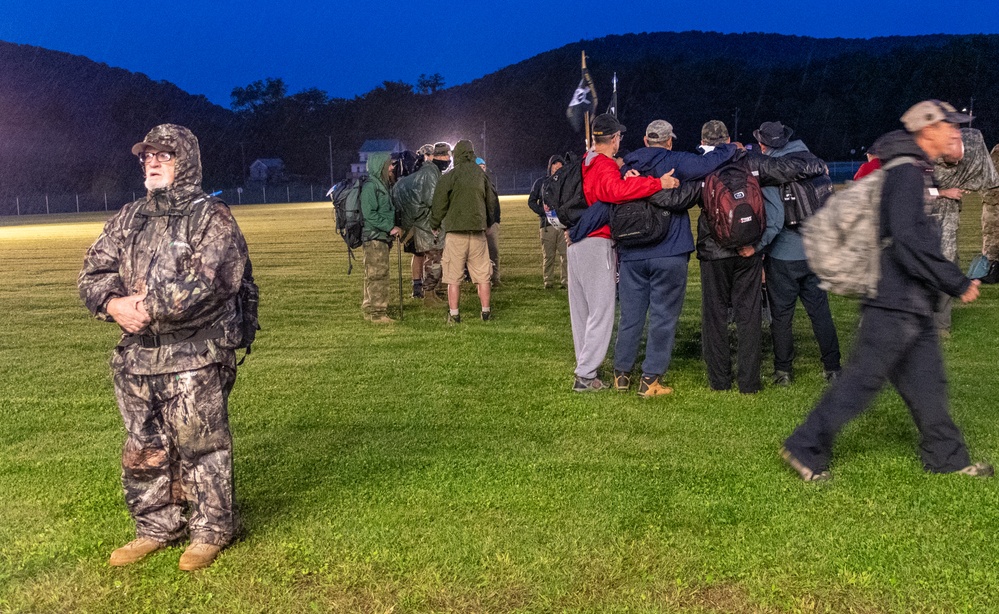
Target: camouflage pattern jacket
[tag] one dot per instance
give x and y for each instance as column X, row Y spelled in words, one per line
column 413, row 195
column 185, row 250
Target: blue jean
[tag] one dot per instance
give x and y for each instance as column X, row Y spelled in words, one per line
column 653, row 287
column 787, row 281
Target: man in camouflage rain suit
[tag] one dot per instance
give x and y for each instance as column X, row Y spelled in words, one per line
column 414, row 195
column 990, row 217
column 167, row 269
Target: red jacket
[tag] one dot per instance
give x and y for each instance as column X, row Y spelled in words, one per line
column 867, row 168
column 602, row 181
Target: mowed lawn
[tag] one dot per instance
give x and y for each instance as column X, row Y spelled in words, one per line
column 423, row 468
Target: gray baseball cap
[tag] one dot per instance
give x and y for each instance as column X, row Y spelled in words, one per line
column 660, row 130
column 929, row 112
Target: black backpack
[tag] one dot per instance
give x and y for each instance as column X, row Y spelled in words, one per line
column 733, row 205
column 638, row 223
column 803, row 198
column 347, row 214
column 564, row 189
column 247, row 304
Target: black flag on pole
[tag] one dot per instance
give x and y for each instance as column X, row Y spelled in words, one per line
column 583, row 101
column 612, row 107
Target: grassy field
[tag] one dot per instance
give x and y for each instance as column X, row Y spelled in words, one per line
column 422, row 468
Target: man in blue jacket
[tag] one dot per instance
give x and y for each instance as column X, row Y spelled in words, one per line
column 788, row 275
column 898, row 340
column 653, row 279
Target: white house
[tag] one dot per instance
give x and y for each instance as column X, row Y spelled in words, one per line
column 372, row 146
column 267, row 169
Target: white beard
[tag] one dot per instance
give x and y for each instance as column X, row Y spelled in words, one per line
column 156, row 183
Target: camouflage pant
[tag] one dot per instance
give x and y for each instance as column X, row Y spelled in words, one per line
column 376, row 278
column 432, row 270
column 552, row 255
column 948, row 214
column 990, row 231
column 178, row 453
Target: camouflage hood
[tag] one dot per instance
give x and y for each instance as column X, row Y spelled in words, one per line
column 187, row 166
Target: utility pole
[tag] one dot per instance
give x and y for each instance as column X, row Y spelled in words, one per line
column 332, row 182
column 242, row 149
column 735, row 135
column 483, row 156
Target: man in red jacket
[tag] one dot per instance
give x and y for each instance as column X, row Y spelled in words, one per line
column 591, row 260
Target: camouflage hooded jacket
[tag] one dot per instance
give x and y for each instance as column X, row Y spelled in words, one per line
column 414, row 194
column 190, row 266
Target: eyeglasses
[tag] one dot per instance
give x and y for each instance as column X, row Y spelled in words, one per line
column 160, row 156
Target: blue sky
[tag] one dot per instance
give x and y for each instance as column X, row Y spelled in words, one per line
column 347, row 48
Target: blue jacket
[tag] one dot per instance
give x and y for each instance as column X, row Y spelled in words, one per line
column 657, row 161
column 779, row 242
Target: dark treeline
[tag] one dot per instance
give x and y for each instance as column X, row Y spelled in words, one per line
column 67, row 123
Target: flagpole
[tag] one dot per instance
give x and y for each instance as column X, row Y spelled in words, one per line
column 586, row 117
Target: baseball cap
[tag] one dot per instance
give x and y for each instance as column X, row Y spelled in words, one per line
column 480, row 161
column 714, row 132
column 660, row 130
column 158, row 139
column 425, row 150
column 929, row 112
column 606, row 124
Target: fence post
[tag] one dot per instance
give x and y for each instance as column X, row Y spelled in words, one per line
column 17, row 201
column 77, row 203
column 105, row 201
column 312, row 195
column 264, row 188
column 133, row 194
column 46, row 203
column 287, row 191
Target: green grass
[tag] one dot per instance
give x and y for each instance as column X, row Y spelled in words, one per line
column 421, row 468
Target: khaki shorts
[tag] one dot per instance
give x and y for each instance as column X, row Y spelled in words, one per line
column 463, row 249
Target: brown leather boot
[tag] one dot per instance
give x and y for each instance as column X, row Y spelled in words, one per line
column 135, row 550
column 198, row 556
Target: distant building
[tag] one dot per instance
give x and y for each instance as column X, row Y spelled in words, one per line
column 267, row 169
column 372, row 146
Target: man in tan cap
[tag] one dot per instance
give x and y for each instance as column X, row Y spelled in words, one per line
column 897, row 341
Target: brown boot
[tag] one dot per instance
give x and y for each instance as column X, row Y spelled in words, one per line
column 652, row 387
column 198, row 556
column 382, row 319
column 135, row 550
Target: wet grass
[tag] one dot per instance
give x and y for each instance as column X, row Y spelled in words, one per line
column 421, row 468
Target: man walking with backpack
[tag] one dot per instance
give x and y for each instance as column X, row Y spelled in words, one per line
column 732, row 218
column 167, row 269
column 552, row 238
column 898, row 340
column 788, row 275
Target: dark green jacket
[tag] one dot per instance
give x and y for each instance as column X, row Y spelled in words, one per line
column 376, row 204
column 414, row 195
column 465, row 200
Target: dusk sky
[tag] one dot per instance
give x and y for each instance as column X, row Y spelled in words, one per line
column 348, row 48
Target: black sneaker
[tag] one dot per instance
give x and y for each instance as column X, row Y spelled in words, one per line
column 782, row 378
column 453, row 319
column 487, row 315
column 803, row 471
column 831, row 376
column 588, row 384
column 978, row 470
column 622, row 381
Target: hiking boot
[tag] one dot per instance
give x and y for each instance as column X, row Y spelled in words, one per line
column 382, row 319
column 432, row 299
column 487, row 315
column 622, row 381
column 588, row 384
column 782, row 378
column 652, row 386
column 831, row 375
column 978, row 470
column 804, row 472
column 453, row 319
column 198, row 556
column 135, row 550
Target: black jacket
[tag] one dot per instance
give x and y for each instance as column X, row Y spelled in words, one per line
column 913, row 269
column 536, row 199
column 770, row 172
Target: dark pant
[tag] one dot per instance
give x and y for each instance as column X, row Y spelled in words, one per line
column 902, row 348
column 655, row 287
column 735, row 283
column 787, row 281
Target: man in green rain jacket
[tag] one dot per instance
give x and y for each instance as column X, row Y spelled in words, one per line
column 379, row 228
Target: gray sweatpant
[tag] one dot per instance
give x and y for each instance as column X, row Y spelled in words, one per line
column 591, row 301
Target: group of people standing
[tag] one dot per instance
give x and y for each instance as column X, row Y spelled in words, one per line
column 898, row 340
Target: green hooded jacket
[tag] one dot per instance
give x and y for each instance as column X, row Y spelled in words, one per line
column 465, row 200
column 376, row 204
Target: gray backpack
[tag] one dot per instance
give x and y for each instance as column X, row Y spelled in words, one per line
column 842, row 239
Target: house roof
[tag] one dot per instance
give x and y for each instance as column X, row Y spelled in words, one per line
column 270, row 162
column 372, row 145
